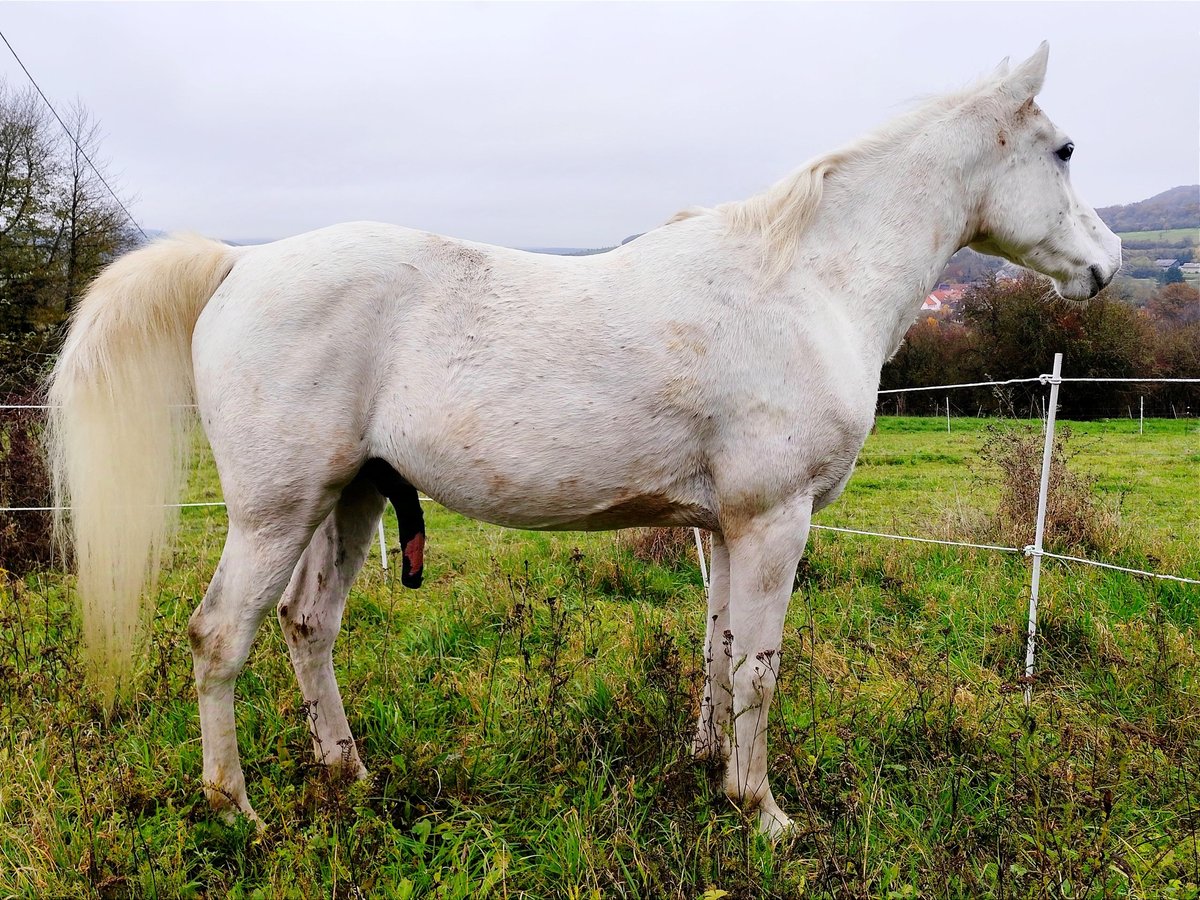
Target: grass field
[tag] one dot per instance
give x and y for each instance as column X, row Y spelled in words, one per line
column 526, row 716
column 1167, row 236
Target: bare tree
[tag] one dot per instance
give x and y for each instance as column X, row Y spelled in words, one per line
column 93, row 226
column 28, row 173
column 59, row 223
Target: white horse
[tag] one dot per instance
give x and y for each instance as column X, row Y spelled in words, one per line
column 719, row 372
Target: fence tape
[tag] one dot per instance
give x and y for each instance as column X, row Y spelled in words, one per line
column 1031, row 551
column 902, row 537
column 68, row 509
column 1042, row 379
column 52, row 406
column 1140, row 380
column 946, row 387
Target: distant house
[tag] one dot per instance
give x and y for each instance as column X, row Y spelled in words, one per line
column 1192, row 268
column 945, row 297
column 1166, row 263
column 949, row 293
column 1010, row 272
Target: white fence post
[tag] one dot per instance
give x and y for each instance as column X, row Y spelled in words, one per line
column 1141, row 413
column 947, row 414
column 700, row 556
column 1036, row 549
column 383, row 541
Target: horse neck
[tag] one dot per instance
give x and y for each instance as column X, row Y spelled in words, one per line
column 884, row 232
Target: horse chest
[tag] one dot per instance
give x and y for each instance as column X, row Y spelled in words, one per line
column 805, row 448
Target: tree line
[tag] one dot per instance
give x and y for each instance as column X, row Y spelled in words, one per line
column 59, row 225
column 1012, row 329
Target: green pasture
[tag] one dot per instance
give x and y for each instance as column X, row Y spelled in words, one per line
column 1168, row 235
column 526, row 716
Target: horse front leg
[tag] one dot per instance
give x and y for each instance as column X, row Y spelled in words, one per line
column 712, row 730
column 763, row 555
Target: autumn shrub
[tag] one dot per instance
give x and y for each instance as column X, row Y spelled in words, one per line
column 671, row 547
column 1076, row 517
column 25, row 537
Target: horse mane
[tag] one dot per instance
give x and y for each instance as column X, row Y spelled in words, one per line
column 782, row 212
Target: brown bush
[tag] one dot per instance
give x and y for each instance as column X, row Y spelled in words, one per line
column 25, row 537
column 1075, row 516
column 670, row 547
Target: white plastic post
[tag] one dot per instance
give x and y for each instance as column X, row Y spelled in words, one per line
column 700, row 556
column 1141, row 413
column 382, row 544
column 1047, row 454
column 947, row 415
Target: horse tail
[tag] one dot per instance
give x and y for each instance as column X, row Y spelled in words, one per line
column 119, row 433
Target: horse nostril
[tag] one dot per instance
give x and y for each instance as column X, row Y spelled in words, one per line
column 1098, row 280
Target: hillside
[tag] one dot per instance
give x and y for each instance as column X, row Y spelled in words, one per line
column 1178, row 207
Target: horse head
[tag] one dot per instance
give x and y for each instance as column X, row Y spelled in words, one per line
column 1029, row 212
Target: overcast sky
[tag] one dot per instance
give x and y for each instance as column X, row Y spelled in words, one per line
column 537, row 125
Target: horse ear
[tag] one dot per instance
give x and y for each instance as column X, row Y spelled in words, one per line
column 1001, row 70
column 1026, row 79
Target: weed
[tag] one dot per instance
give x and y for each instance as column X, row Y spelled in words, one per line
column 669, row 547
column 1075, row 516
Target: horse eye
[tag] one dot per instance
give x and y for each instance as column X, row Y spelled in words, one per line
column 1064, row 152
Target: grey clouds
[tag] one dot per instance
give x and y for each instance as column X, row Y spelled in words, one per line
column 569, row 124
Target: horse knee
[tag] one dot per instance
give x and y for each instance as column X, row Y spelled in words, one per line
column 214, row 653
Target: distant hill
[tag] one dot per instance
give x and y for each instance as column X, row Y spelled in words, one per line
column 1177, row 208
column 567, row 251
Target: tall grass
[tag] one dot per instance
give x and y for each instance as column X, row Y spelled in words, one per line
column 526, row 719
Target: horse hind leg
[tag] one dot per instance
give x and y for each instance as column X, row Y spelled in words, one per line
column 254, row 570
column 310, row 613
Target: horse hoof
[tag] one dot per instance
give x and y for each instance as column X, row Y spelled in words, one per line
column 228, row 815
column 342, row 770
column 774, row 824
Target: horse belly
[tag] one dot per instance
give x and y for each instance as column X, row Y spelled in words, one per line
column 628, row 508
column 633, row 510
column 541, row 480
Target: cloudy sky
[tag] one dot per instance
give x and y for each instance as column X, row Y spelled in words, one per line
column 568, row 124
